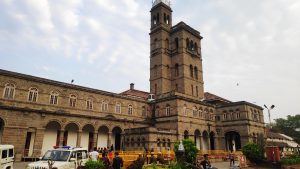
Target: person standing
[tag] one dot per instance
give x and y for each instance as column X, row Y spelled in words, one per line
column 205, row 163
column 117, row 161
column 231, row 157
column 94, row 154
column 105, row 161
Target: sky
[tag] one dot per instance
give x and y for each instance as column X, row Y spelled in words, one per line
column 250, row 48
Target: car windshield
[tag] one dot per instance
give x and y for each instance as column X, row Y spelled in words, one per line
column 56, row 155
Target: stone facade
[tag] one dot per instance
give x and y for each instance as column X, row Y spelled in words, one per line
column 37, row 113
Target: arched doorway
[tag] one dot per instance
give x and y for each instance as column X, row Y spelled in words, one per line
column 51, row 136
column 197, row 139
column 87, row 137
column 1, row 129
column 186, row 134
column 212, row 140
column 116, row 138
column 70, row 134
column 232, row 141
column 205, row 141
column 103, row 137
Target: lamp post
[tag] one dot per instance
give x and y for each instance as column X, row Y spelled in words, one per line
column 269, row 114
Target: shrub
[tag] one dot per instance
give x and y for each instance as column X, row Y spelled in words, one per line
column 290, row 161
column 253, row 152
column 190, row 150
column 90, row 164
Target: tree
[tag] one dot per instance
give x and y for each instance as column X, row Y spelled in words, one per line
column 190, row 150
column 288, row 126
column 253, row 152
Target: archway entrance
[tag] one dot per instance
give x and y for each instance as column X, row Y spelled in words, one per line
column 1, row 129
column 70, row 134
column 232, row 141
column 212, row 140
column 197, row 139
column 205, row 142
column 103, row 136
column 51, row 136
column 87, row 137
column 116, row 138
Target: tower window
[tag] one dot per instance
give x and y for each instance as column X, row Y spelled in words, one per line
column 176, row 43
column 195, row 111
column 154, row 20
column 196, row 72
column 196, row 47
column 32, row 94
column 157, row 17
column 191, row 70
column 104, row 106
column 167, row 44
column 165, row 18
column 187, row 43
column 168, row 20
column 144, row 111
column 196, row 90
column 176, row 69
column 168, row 110
column 191, row 45
column 192, row 87
column 9, row 91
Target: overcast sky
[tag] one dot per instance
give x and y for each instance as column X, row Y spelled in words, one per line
column 250, row 48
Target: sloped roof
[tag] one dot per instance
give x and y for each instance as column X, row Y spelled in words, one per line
column 212, row 97
column 135, row 94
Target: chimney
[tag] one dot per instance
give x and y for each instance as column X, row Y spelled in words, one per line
column 131, row 86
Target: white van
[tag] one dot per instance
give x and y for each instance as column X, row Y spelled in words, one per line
column 64, row 157
column 7, row 156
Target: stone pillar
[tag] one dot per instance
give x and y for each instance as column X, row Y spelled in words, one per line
column 95, row 139
column 109, row 136
column 79, row 133
column 200, row 140
column 38, row 142
column 61, row 137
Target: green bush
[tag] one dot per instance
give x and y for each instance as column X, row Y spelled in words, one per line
column 253, row 152
column 290, row 161
column 153, row 166
column 90, row 164
column 190, row 150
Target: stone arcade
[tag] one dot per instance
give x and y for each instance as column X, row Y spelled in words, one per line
column 38, row 113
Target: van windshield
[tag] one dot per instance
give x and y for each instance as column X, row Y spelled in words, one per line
column 56, row 155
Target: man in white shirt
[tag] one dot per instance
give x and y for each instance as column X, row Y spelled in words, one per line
column 94, row 154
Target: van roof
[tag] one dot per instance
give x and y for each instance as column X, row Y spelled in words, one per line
column 2, row 146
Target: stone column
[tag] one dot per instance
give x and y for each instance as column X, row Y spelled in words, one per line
column 200, row 140
column 38, row 142
column 79, row 133
column 95, row 139
column 109, row 136
column 61, row 137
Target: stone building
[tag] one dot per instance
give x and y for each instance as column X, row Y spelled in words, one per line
column 38, row 113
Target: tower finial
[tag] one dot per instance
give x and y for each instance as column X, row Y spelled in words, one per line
column 167, row 2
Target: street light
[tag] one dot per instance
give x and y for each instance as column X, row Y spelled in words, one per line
column 269, row 109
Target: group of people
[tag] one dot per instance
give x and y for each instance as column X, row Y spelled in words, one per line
column 101, row 154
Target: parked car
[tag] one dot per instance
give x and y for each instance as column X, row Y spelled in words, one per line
column 7, row 156
column 64, row 157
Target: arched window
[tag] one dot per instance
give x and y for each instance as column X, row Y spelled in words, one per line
column 195, row 111
column 9, row 91
column 196, row 47
column 176, row 43
column 132, row 142
column 32, row 94
column 53, row 98
column 165, row 18
column 157, row 17
column 130, row 110
column 72, row 100
column 192, row 88
column 197, row 91
column 155, row 45
column 196, row 72
column 164, row 142
column 144, row 111
column 104, row 106
column 200, row 112
column 191, row 70
column 89, row 103
column 168, row 20
column 191, row 45
column 187, row 43
column 118, row 108
column 154, row 20
column 168, row 110
column 176, row 69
